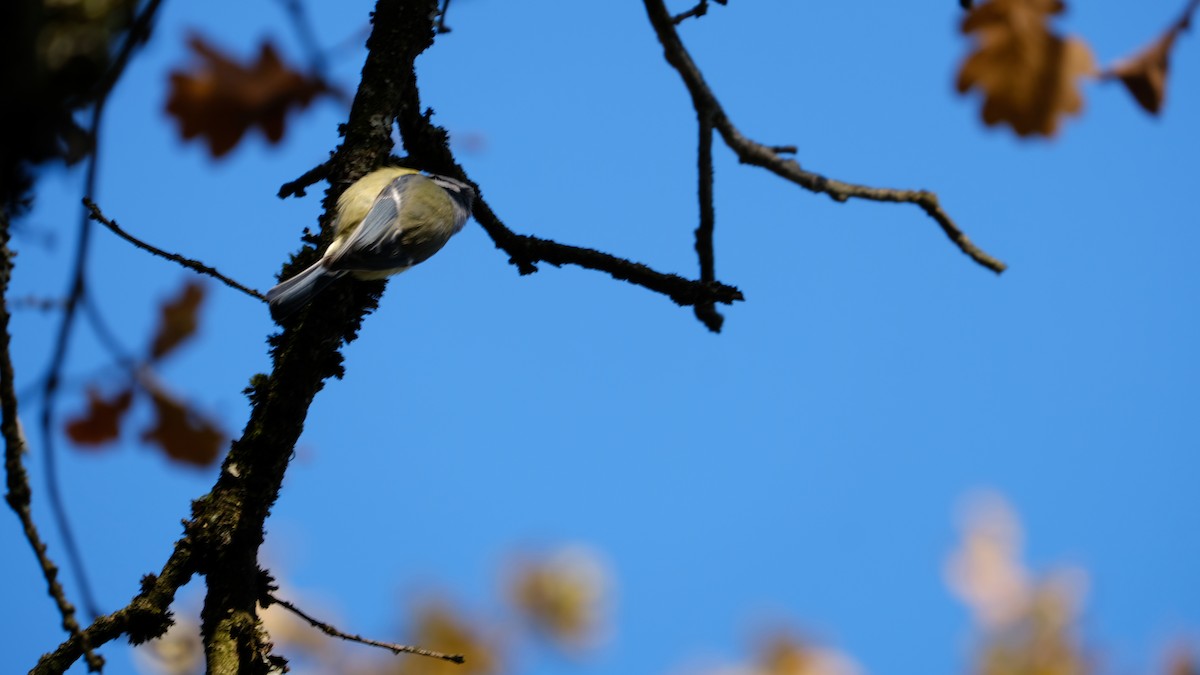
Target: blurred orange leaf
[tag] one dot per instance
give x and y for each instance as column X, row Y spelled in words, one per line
column 440, row 628
column 1027, row 74
column 220, row 99
column 101, row 422
column 185, row 435
column 1182, row 661
column 785, row 654
column 178, row 320
column 1145, row 74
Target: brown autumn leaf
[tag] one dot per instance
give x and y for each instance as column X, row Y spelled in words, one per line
column 178, row 320
column 1028, row 75
column 220, row 98
column 1145, row 74
column 101, row 422
column 184, row 434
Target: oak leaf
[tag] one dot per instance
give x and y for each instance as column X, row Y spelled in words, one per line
column 1027, row 74
column 184, row 434
column 101, row 422
column 220, row 98
column 1145, row 74
column 177, row 320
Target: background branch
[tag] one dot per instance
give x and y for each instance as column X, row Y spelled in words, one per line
column 757, row 154
column 18, row 492
column 75, row 292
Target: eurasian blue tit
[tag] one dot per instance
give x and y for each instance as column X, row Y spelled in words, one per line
column 387, row 221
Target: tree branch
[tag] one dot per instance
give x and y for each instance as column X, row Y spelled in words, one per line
column 427, row 146
column 194, row 265
column 297, row 187
column 698, row 11
column 18, row 492
column 767, row 157
column 334, row 632
column 138, row 34
column 441, row 22
column 526, row 251
column 228, row 522
column 145, row 617
column 706, row 312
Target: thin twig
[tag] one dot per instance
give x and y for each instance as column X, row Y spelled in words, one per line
column 37, row 303
column 391, row 647
column 526, row 251
column 146, row 617
column 105, row 333
column 139, row 33
column 427, row 146
column 1186, row 21
column 58, row 359
column 706, row 312
column 18, row 492
column 441, row 22
column 297, row 187
column 302, row 24
column 698, row 11
column 768, row 157
column 193, row 265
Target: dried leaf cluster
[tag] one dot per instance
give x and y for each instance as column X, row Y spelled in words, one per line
column 179, row 430
column 1030, row 77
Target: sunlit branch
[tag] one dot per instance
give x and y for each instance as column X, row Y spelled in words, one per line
column 390, row 646
column 194, row 265
column 770, row 157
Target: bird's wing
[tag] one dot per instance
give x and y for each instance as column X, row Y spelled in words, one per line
column 379, row 244
column 376, row 225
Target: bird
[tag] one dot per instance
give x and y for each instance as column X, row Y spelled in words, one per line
column 387, row 221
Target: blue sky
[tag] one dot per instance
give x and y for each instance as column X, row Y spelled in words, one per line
column 803, row 466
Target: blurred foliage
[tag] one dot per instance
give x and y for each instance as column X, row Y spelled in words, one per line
column 58, row 56
column 1024, row 623
column 181, row 431
column 1028, row 74
column 563, row 596
column 219, row 99
column 54, row 59
column 1030, row 77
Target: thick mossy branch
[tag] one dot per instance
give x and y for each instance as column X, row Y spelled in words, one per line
column 228, row 522
column 225, row 532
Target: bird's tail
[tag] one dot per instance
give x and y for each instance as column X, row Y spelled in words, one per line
column 289, row 296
